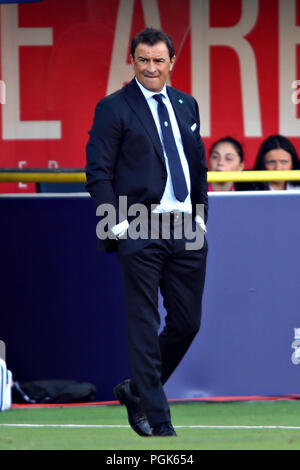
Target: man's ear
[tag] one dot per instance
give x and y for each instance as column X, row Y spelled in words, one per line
column 172, row 61
column 131, row 59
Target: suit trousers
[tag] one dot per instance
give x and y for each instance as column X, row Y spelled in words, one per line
column 179, row 273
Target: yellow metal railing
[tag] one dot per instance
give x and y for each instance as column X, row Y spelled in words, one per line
column 78, row 176
column 39, row 175
column 251, row 176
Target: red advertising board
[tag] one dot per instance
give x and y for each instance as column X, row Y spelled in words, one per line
column 239, row 58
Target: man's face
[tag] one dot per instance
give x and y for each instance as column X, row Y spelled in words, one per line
column 152, row 65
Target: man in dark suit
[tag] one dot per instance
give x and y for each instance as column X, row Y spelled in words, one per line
column 145, row 144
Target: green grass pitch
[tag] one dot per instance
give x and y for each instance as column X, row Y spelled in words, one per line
column 208, row 426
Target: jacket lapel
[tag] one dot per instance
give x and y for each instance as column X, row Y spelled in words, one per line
column 138, row 104
column 181, row 117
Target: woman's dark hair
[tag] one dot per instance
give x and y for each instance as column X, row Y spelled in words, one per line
column 151, row 37
column 235, row 143
column 277, row 142
column 272, row 143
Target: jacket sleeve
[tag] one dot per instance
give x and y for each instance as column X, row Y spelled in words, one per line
column 202, row 189
column 102, row 152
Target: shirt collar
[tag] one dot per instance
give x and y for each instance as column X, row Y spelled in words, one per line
column 148, row 93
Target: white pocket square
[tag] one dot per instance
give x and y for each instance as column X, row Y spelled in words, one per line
column 194, row 127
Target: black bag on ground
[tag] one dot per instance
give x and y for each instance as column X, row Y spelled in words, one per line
column 52, row 391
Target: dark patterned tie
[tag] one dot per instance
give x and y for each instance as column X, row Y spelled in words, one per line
column 176, row 170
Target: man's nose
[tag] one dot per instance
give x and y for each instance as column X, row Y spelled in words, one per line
column 151, row 66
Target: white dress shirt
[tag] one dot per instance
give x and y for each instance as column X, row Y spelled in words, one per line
column 169, row 202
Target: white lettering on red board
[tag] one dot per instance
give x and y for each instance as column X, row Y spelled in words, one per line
column 12, row 37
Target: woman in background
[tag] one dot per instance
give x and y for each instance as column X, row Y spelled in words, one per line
column 227, row 155
column 277, row 153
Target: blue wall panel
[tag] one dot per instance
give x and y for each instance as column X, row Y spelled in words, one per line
column 62, row 305
column 251, row 302
column 62, row 301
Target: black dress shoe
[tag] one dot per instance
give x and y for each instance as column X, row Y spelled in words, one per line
column 163, row 429
column 136, row 415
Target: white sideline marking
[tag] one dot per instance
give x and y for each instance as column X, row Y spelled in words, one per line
column 26, row 425
column 114, row 426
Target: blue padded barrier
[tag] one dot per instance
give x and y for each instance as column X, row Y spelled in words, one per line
column 62, row 301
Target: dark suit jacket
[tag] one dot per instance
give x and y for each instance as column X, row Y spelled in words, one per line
column 125, row 156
